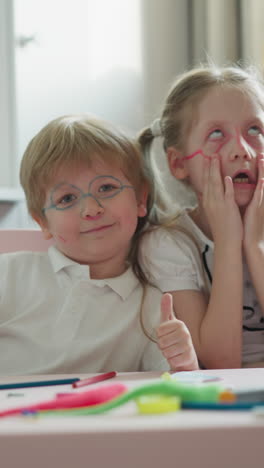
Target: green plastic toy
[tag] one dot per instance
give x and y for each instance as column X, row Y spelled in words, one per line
column 186, row 392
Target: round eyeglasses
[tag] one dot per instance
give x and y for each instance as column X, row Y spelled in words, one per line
column 65, row 196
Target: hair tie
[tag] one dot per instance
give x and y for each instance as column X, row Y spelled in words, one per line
column 156, row 128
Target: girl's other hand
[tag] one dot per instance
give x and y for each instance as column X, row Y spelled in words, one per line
column 219, row 204
column 174, row 339
column 254, row 214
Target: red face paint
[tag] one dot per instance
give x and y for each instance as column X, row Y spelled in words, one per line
column 250, row 145
column 61, row 239
column 190, row 156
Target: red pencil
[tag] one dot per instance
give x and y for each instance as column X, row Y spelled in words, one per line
column 95, row 379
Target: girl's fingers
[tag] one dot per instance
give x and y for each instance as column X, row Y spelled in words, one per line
column 261, row 192
column 229, row 187
column 206, row 174
column 261, row 168
column 258, row 194
column 216, row 184
column 213, row 190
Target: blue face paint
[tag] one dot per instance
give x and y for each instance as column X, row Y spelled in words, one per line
column 65, row 196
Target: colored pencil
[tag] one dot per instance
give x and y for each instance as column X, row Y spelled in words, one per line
column 39, row 383
column 94, row 379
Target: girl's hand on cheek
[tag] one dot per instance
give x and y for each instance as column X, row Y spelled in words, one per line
column 254, row 214
column 219, row 204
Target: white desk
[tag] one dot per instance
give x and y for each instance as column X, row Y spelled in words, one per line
column 124, row 439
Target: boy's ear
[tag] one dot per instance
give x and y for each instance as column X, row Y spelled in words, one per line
column 43, row 226
column 176, row 163
column 142, row 203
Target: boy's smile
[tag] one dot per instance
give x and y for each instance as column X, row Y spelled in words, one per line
column 92, row 214
column 98, row 229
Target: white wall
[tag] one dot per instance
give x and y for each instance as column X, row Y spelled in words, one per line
column 7, row 96
column 117, row 67
column 170, row 37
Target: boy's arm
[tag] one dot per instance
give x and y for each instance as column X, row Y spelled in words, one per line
column 216, row 327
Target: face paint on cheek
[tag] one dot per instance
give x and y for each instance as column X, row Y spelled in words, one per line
column 62, row 239
column 211, row 151
column 196, row 153
column 201, row 153
column 218, row 149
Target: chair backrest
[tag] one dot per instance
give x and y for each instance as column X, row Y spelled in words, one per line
column 12, row 240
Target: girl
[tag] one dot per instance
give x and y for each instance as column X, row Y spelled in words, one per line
column 80, row 307
column 211, row 256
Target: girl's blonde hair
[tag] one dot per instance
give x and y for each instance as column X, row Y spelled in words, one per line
column 74, row 139
column 179, row 108
column 177, row 118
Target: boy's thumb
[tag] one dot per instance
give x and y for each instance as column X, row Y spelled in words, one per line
column 166, row 308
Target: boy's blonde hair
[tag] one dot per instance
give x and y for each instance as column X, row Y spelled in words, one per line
column 74, row 139
column 68, row 141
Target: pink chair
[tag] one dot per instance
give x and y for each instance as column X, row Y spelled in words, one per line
column 12, row 240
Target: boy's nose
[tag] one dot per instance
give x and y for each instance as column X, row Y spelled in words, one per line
column 90, row 206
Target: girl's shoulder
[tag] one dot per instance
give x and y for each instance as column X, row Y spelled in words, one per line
column 171, row 257
column 180, row 234
column 172, row 247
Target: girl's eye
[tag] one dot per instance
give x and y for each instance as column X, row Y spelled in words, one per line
column 215, row 134
column 255, row 130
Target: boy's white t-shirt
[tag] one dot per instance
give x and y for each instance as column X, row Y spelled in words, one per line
column 55, row 319
column 173, row 263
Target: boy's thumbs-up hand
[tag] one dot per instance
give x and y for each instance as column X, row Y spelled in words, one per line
column 166, row 308
column 174, row 339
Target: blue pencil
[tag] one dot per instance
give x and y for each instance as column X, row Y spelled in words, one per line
column 219, row 406
column 40, row 383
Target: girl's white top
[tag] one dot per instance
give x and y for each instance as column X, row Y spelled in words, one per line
column 173, row 263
